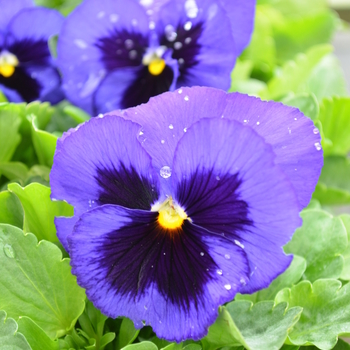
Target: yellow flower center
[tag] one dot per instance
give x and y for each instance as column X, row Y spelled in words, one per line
column 8, row 64
column 157, row 66
column 170, row 216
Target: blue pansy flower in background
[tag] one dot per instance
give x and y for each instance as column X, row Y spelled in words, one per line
column 118, row 53
column 182, row 202
column 27, row 71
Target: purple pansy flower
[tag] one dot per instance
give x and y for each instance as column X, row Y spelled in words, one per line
column 118, row 53
column 27, row 72
column 182, row 202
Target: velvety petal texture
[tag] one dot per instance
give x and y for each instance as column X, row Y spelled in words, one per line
column 25, row 41
column 183, row 205
column 116, row 54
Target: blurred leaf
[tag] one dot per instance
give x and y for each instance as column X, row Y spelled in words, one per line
column 334, row 183
column 9, row 126
column 300, row 33
column 2, row 97
column 77, row 114
column 127, row 333
column 295, row 74
column 326, row 312
column 36, row 283
column 14, row 170
column 335, row 119
column 261, row 50
column 10, row 339
column 306, row 103
column 321, row 240
column 327, row 79
column 145, row 345
column 39, row 210
column 44, row 143
column 36, row 337
column 64, row 6
column 11, row 211
column 291, row 276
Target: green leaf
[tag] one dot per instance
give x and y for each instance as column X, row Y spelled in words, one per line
column 291, row 276
column 64, row 6
column 44, row 143
column 127, row 333
column 14, row 170
column 335, row 119
column 36, row 283
column 145, row 345
column 295, row 74
column 326, row 312
column 327, row 79
column 9, row 126
column 321, row 240
column 9, row 338
column 192, row 347
column 39, row 210
column 11, row 211
column 36, row 337
column 298, row 34
column 334, row 184
column 78, row 115
column 306, row 103
column 2, row 97
column 345, row 275
column 290, row 347
column 221, row 333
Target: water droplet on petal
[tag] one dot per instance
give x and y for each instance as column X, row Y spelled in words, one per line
column 295, row 118
column 162, row 142
column 186, row 98
column 164, row 253
column 191, row 8
column 171, row 126
column 219, row 272
column 134, row 22
column 145, row 307
column 100, row 15
column 177, row 45
column 239, row 244
column 113, row 18
column 132, row 54
column 170, row 32
column 80, row 43
column 188, row 40
column 128, row 44
column 188, row 25
column 218, row 178
column 228, row 286
column 257, row 123
column 165, row 172
column 318, row 146
column 202, row 254
column 9, row 252
column 185, row 129
column 152, row 25
column 181, row 61
column 180, row 91
column 243, row 282
column 245, row 121
column 227, row 256
column 316, row 131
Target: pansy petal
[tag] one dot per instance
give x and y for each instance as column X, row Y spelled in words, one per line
column 64, row 227
column 228, row 183
column 103, row 162
column 173, row 281
column 190, row 28
column 241, row 14
column 97, row 37
column 293, row 137
column 9, row 9
column 165, row 119
column 36, row 23
column 128, row 87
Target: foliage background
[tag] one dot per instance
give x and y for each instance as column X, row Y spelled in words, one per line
column 290, row 59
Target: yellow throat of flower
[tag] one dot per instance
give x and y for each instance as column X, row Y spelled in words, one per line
column 157, row 66
column 170, row 216
column 8, row 64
